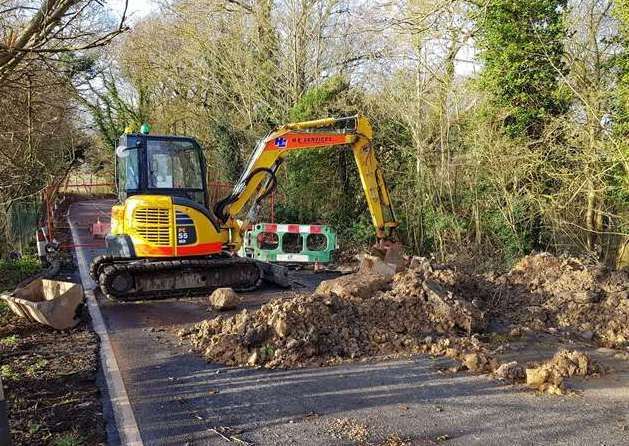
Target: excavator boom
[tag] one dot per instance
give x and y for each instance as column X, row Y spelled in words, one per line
column 259, row 176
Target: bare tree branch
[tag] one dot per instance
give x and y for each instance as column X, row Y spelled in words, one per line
column 45, row 32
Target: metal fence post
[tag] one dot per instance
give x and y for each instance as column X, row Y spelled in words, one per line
column 5, row 439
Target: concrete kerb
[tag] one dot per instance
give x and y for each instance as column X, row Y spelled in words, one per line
column 126, row 424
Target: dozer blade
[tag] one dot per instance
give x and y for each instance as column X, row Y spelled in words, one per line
column 275, row 274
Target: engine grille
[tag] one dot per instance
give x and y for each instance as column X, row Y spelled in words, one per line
column 153, row 225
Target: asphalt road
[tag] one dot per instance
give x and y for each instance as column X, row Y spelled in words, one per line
column 177, row 398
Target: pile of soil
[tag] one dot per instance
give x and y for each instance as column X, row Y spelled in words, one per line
column 417, row 314
column 546, row 292
column 428, row 308
column 549, row 376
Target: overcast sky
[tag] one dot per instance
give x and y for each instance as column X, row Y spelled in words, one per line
column 136, row 10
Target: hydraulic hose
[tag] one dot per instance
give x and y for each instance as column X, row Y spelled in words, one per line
column 219, row 208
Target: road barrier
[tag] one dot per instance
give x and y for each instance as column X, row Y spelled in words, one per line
column 5, row 438
column 290, row 243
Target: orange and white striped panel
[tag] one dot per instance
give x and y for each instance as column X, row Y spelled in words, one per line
column 294, row 229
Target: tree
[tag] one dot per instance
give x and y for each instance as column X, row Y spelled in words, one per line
column 323, row 185
column 41, row 30
column 621, row 11
column 44, row 55
column 522, row 49
column 620, row 122
column 499, row 124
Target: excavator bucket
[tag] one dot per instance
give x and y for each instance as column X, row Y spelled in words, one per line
column 392, row 253
column 395, row 256
column 49, row 302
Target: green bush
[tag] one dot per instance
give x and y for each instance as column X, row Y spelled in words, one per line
column 360, row 234
column 8, row 373
column 72, row 439
column 511, row 243
column 9, row 341
column 13, row 272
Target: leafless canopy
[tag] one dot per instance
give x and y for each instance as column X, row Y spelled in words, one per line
column 39, row 30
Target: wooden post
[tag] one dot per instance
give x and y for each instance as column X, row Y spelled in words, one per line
column 5, row 439
column 273, row 207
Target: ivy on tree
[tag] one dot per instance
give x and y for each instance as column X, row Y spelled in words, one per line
column 521, row 46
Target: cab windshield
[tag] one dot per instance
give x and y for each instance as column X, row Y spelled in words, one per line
column 175, row 167
column 161, row 165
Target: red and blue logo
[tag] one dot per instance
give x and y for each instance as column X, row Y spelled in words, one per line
column 280, row 143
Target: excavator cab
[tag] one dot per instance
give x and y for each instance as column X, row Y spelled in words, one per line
column 161, row 165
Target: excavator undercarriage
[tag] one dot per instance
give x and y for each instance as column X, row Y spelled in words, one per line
column 143, row 279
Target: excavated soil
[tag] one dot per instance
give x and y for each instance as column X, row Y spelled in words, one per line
column 549, row 376
column 546, row 292
column 415, row 315
column 431, row 309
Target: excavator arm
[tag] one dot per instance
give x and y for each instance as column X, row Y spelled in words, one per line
column 259, row 178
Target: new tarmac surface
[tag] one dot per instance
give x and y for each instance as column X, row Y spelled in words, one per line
column 177, row 398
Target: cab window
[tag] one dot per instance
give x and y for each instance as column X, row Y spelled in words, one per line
column 173, row 165
column 128, row 172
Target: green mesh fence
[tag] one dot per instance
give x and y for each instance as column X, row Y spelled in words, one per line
column 22, row 219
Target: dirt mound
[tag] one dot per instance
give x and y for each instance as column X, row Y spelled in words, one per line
column 549, row 376
column 543, row 291
column 321, row 328
column 428, row 308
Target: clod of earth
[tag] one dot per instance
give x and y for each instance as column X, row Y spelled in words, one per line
column 478, row 362
column 510, row 371
column 360, row 285
column 224, row 299
column 549, row 376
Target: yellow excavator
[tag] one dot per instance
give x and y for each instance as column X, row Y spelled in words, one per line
column 165, row 241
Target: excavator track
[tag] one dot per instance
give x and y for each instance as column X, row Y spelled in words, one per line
column 129, row 280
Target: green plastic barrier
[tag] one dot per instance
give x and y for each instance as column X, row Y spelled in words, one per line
column 288, row 243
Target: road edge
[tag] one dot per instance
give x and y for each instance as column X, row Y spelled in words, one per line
column 126, row 424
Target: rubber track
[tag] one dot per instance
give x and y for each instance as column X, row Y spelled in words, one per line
column 250, row 275
column 98, row 263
